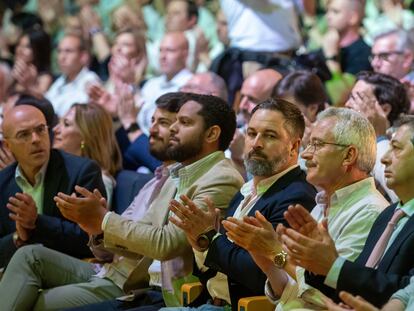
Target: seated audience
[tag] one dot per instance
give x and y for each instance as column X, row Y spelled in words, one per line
column 203, row 129
column 28, row 213
column 32, row 61
column 385, row 264
column 86, row 131
column 71, row 86
column 339, row 158
column 271, row 155
column 172, row 57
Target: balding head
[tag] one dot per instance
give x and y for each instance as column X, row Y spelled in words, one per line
column 257, row 88
column 173, row 53
column 206, row 83
column 26, row 136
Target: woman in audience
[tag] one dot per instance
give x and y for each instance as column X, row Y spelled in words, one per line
column 86, row 130
column 31, row 69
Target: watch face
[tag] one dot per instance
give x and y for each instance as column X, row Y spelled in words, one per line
column 280, row 260
column 203, row 242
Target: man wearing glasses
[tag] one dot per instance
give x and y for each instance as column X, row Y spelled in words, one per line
column 28, row 213
column 339, row 158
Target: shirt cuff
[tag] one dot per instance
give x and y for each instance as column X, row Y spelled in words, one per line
column 270, row 294
column 105, row 220
column 332, row 277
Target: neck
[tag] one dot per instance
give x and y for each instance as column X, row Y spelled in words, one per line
column 405, row 194
column 199, row 156
column 348, row 37
column 30, row 173
column 170, row 76
column 72, row 76
column 168, row 162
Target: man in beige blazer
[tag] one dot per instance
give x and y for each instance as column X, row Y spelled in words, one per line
column 203, row 130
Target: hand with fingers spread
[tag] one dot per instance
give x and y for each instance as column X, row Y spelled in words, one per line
column 25, row 74
column 257, row 236
column 98, row 95
column 6, row 157
column 351, row 302
column 301, row 220
column 367, row 104
column 126, row 108
column 192, row 219
column 23, row 210
column 316, row 256
column 87, row 210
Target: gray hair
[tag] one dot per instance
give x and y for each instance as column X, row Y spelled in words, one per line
column 405, row 39
column 352, row 128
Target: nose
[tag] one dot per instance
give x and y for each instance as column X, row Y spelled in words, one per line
column 174, row 127
column 386, row 157
column 258, row 142
column 306, row 153
column 56, row 129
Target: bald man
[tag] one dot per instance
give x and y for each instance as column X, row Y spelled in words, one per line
column 173, row 53
column 255, row 89
column 207, row 83
column 28, row 213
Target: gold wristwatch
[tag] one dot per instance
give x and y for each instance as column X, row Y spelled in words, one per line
column 280, row 259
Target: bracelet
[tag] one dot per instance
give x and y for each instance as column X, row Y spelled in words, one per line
column 334, row 58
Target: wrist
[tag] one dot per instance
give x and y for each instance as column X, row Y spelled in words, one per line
column 18, row 242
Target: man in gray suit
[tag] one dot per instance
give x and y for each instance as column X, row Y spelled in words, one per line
column 202, row 131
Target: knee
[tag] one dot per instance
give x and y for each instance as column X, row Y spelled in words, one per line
column 27, row 253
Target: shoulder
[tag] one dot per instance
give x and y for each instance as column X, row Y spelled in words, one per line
column 7, row 173
column 72, row 162
column 224, row 170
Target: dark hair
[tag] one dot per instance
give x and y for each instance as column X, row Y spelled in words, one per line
column 192, row 9
column 171, row 102
column 303, row 86
column 387, row 90
column 42, row 104
column 41, row 46
column 83, row 44
column 26, row 21
column 294, row 119
column 407, row 120
column 215, row 111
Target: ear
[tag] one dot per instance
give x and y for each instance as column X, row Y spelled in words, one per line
column 191, row 22
column 213, row 134
column 354, row 18
column 387, row 108
column 408, row 59
column 294, row 150
column 350, row 156
column 6, row 144
column 84, row 57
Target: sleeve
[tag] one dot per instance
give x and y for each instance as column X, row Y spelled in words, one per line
column 61, row 234
column 140, row 237
column 222, row 253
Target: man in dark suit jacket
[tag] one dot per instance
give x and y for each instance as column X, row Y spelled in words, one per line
column 272, row 146
column 375, row 280
column 28, row 213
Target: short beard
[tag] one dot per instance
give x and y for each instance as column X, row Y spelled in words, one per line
column 159, row 154
column 263, row 167
column 180, row 153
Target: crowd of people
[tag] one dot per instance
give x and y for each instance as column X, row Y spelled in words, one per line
column 274, row 140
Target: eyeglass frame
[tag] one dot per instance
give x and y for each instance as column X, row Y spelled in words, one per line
column 384, row 55
column 317, row 145
column 41, row 130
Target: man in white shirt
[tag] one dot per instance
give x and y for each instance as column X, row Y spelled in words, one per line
column 70, row 87
column 339, row 158
column 172, row 58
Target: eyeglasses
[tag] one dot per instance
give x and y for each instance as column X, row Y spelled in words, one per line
column 316, row 145
column 384, row 56
column 26, row 135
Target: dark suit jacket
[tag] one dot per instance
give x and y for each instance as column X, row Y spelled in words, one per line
column 244, row 277
column 64, row 171
column 393, row 272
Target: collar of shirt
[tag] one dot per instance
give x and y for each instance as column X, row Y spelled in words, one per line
column 343, row 196
column 184, row 176
column 178, row 80
column 408, row 207
column 162, row 171
column 78, row 77
column 39, row 178
column 263, row 185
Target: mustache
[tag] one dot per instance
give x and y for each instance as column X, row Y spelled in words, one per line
column 309, row 164
column 257, row 153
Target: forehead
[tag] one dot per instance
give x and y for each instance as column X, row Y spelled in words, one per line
column 70, row 42
column 363, row 87
column 23, row 118
column 164, row 114
column 253, row 87
column 171, row 42
column 265, row 119
column 177, row 5
column 404, row 135
column 323, row 129
column 190, row 110
column 384, row 44
column 124, row 38
column 338, row 4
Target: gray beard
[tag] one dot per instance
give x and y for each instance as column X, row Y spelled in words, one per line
column 263, row 167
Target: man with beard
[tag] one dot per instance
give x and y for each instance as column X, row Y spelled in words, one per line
column 339, row 158
column 272, row 146
column 201, row 131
